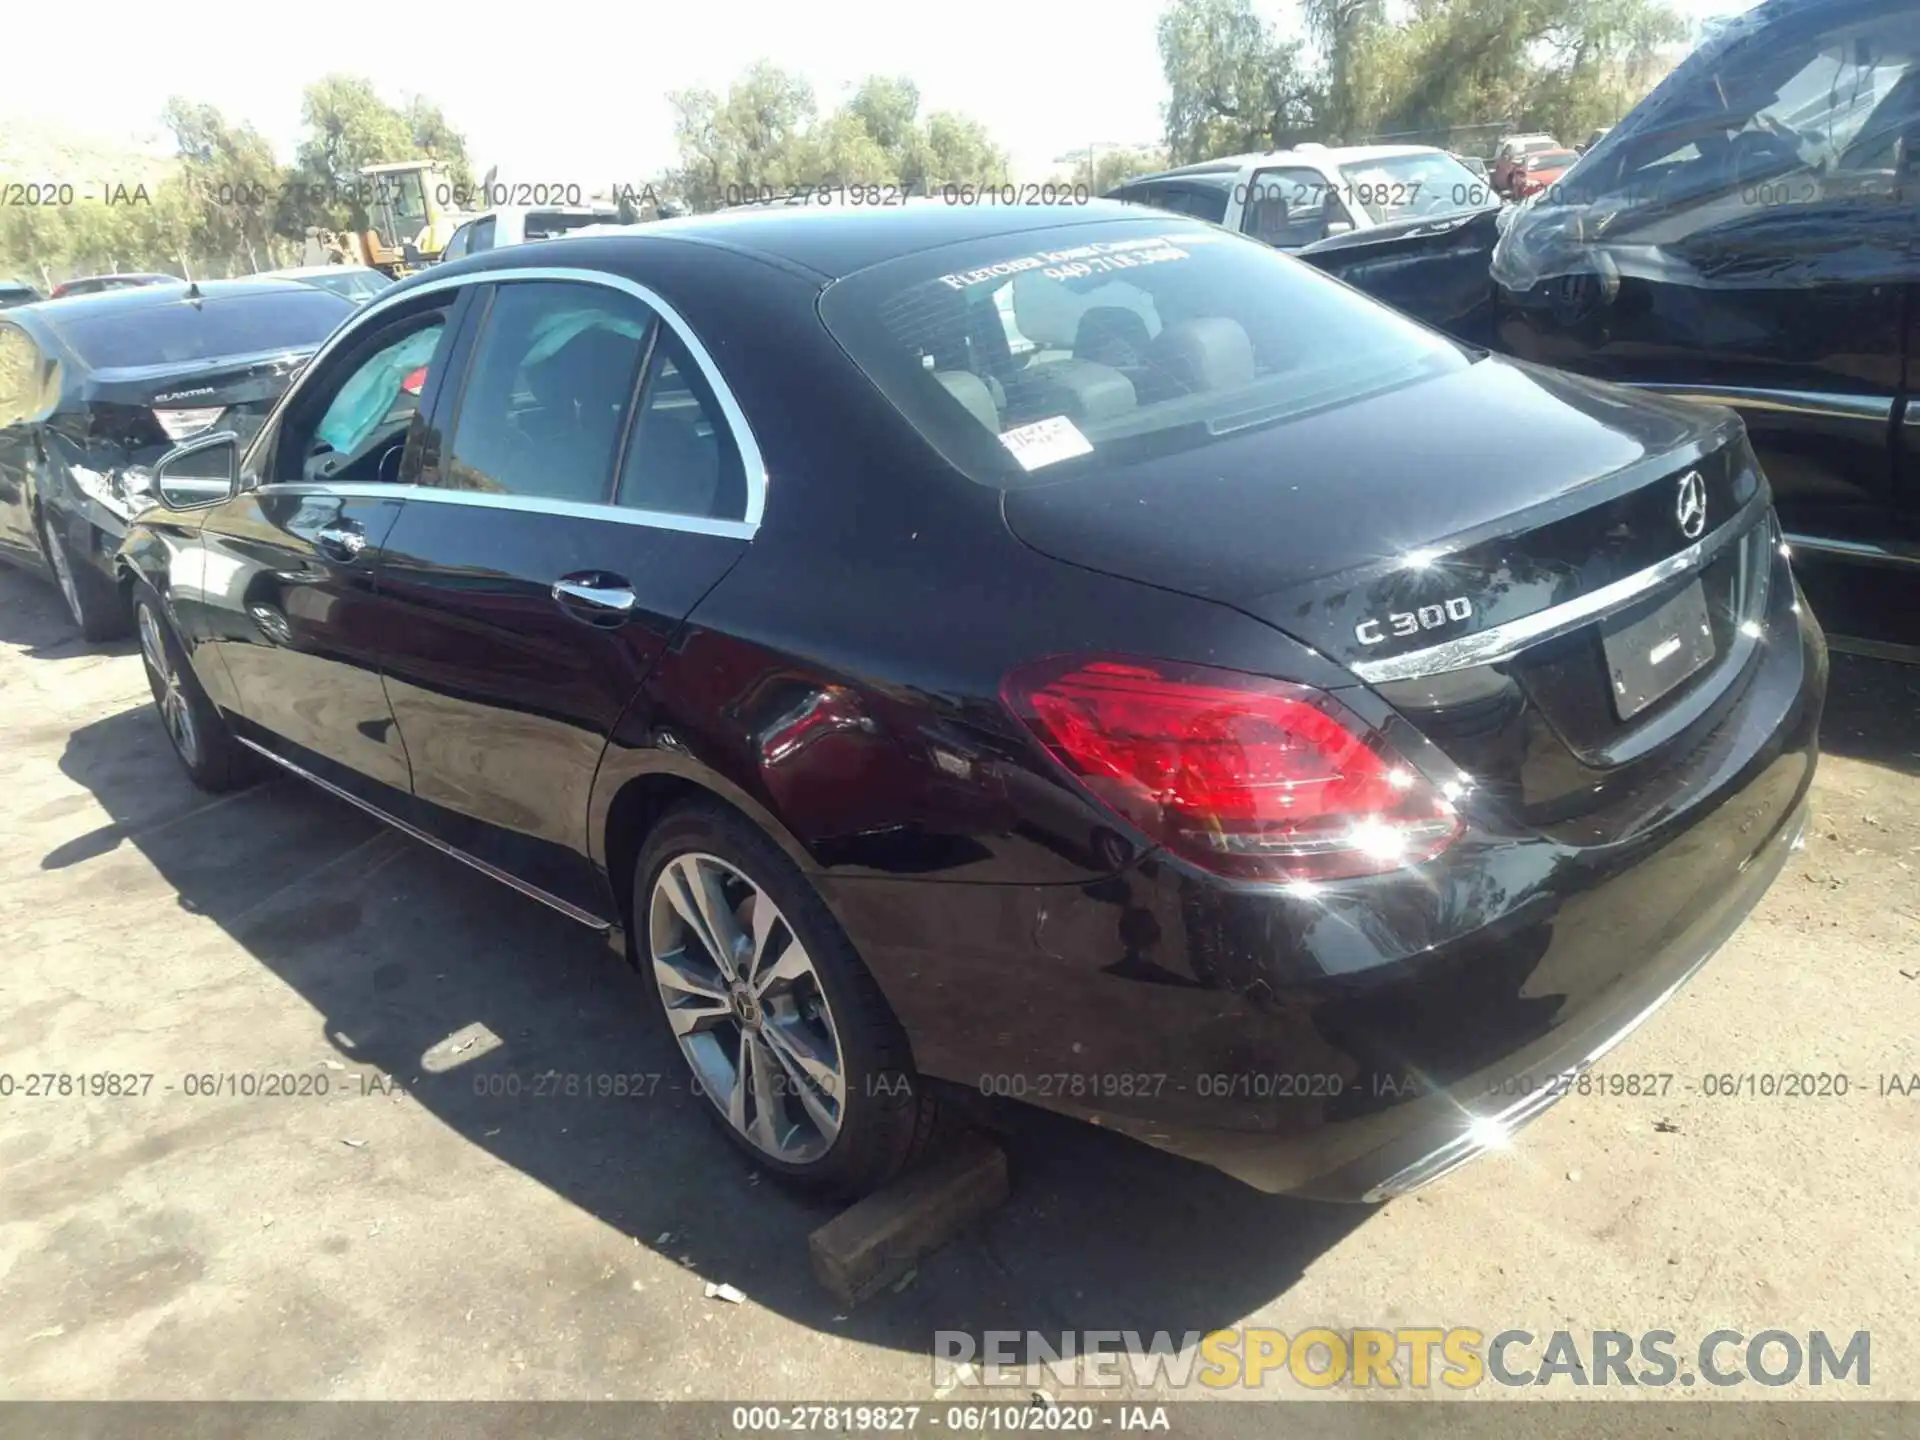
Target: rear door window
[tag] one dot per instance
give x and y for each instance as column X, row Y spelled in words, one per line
column 548, row 391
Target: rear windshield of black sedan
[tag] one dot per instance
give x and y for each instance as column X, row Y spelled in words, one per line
column 1028, row 355
column 180, row 331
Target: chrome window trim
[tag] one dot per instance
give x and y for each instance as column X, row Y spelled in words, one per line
column 1503, row 642
column 527, row 504
column 1824, row 404
column 751, row 461
column 534, row 892
column 1869, row 552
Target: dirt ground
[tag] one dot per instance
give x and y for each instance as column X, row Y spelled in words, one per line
column 405, row 1235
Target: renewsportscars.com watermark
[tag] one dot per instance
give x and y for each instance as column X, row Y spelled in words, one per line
column 1404, row 1357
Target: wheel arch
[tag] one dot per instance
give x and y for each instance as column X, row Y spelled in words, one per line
column 630, row 800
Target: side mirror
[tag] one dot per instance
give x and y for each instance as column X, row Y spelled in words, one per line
column 200, row 472
column 1339, row 227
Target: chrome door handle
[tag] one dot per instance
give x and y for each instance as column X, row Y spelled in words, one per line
column 602, row 594
column 341, row 541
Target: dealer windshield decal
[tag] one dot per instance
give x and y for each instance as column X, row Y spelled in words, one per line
column 1046, row 442
column 1092, row 259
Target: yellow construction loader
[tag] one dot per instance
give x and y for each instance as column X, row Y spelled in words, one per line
column 411, row 215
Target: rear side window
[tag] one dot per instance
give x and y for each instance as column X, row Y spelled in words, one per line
column 482, row 236
column 682, row 460
column 457, row 246
column 548, row 392
column 177, row 332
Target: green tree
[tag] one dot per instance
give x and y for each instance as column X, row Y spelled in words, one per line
column 1232, row 85
column 347, row 127
column 434, row 138
column 1100, row 169
column 231, row 183
column 1406, row 68
column 1343, row 29
column 766, row 135
column 955, row 150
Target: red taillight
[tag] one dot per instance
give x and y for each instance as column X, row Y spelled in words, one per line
column 185, row 424
column 1243, row 775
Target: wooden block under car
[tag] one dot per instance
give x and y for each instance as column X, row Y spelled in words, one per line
column 880, row 1238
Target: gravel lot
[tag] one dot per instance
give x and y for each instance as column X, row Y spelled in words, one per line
column 403, row 1236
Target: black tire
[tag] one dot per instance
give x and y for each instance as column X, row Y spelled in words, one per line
column 888, row 1115
column 98, row 606
column 213, row 759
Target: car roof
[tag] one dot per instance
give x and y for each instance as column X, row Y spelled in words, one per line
column 144, row 297
column 1307, row 155
column 54, row 314
column 301, row 272
column 123, row 277
column 607, row 209
column 829, row 240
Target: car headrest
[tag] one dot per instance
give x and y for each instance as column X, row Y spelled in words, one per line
column 1111, row 335
column 594, row 368
column 1078, row 389
column 1211, row 354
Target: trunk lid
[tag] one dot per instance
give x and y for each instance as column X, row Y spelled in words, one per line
column 1456, row 513
column 147, row 409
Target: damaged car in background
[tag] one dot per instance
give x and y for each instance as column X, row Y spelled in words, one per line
column 1409, row 224
column 1749, row 236
column 95, row 390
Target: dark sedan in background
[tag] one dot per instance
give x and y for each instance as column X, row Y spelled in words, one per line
column 99, row 284
column 1237, row 715
column 95, row 389
column 17, row 292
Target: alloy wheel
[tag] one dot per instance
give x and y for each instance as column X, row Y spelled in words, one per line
column 62, row 573
column 748, row 1008
column 168, row 692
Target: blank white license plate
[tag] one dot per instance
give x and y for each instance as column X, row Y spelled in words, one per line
column 1648, row 657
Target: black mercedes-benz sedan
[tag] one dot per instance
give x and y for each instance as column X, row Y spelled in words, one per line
column 1079, row 655
column 95, row 389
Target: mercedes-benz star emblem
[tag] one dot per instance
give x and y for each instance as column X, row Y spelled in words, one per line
column 1692, row 509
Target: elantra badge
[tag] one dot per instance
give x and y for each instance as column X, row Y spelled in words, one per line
column 1692, row 509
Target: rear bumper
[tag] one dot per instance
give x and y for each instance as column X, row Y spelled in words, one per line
column 1467, row 1126
column 1359, row 1041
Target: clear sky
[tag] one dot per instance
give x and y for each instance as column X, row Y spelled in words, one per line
column 577, row 92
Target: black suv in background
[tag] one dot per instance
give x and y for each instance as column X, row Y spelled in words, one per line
column 1750, row 236
column 95, row 389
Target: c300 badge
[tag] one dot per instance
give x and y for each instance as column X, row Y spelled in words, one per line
column 1402, row 623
